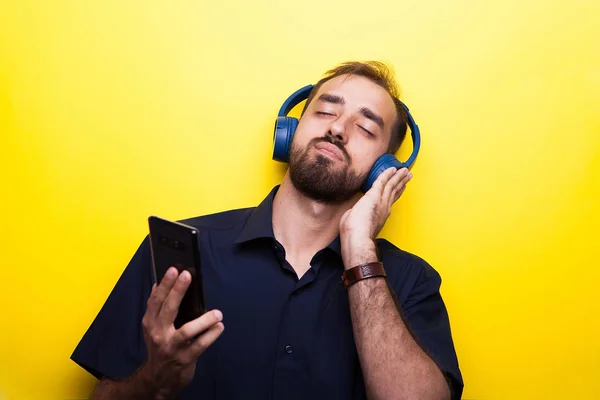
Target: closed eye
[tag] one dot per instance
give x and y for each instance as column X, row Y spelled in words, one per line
column 366, row 130
column 323, row 113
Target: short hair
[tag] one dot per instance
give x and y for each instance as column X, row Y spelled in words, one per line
column 379, row 73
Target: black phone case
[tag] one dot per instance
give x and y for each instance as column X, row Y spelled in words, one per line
column 176, row 244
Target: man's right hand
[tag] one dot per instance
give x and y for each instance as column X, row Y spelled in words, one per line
column 172, row 353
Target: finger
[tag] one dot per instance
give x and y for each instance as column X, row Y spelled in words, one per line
column 159, row 293
column 193, row 328
column 402, row 187
column 170, row 306
column 205, row 340
column 382, row 179
column 394, row 182
column 399, row 189
column 404, row 180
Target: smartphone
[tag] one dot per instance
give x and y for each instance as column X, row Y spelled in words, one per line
column 174, row 244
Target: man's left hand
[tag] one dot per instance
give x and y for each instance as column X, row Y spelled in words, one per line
column 360, row 225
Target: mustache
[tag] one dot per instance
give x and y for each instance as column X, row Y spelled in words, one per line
column 331, row 139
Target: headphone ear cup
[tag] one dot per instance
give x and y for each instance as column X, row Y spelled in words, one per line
column 384, row 162
column 282, row 137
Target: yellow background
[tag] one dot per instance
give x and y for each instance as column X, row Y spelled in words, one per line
column 114, row 110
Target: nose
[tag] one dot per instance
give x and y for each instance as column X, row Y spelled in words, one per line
column 337, row 129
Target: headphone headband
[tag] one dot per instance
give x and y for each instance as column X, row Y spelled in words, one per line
column 302, row 94
column 415, row 135
column 296, row 98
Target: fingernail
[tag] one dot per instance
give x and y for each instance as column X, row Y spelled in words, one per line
column 184, row 276
column 171, row 272
column 218, row 315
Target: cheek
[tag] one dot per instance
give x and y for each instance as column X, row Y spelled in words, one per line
column 311, row 128
column 299, row 140
column 360, row 164
column 362, row 153
column 363, row 157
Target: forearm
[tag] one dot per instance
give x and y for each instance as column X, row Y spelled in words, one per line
column 393, row 364
column 138, row 386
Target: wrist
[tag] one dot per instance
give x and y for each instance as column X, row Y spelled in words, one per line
column 362, row 272
column 358, row 252
column 148, row 383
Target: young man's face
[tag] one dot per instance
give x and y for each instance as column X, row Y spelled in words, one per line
column 346, row 127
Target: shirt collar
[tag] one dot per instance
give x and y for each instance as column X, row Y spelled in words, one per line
column 260, row 225
column 336, row 245
column 260, row 222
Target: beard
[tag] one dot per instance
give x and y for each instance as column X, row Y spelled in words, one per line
column 317, row 176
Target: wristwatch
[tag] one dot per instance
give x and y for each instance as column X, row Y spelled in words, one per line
column 363, row 271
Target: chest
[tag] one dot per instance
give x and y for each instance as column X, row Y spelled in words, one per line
column 282, row 334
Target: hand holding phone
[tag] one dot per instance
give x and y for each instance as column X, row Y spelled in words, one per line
column 177, row 330
column 172, row 353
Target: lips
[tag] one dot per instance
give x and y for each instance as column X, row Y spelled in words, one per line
column 330, row 149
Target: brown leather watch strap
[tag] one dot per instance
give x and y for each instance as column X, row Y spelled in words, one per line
column 363, row 271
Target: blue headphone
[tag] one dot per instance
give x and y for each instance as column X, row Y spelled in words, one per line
column 286, row 126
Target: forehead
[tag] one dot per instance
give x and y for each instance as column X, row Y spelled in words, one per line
column 358, row 92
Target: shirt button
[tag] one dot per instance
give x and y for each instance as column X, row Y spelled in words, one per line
column 289, row 349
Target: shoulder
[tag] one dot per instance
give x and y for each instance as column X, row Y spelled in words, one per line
column 402, row 260
column 406, row 270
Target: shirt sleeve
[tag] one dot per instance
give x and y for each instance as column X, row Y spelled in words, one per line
column 426, row 316
column 114, row 346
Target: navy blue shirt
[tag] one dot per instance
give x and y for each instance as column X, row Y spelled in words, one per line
column 284, row 338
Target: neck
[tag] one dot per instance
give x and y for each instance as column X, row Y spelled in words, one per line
column 302, row 225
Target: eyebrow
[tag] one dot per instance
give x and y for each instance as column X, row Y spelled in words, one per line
column 368, row 113
column 331, row 98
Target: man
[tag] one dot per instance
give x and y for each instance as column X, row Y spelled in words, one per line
column 272, row 276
